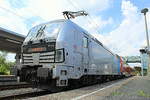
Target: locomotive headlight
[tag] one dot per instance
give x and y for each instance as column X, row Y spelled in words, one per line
column 59, row 56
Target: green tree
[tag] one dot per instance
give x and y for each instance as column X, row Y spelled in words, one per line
column 5, row 65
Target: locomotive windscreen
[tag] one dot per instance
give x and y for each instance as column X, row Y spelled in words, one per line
column 48, row 30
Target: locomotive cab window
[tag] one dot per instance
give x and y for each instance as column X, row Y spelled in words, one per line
column 85, row 42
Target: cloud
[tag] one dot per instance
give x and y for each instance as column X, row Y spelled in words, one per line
column 98, row 23
column 129, row 36
column 33, row 12
column 16, row 4
column 126, row 39
column 93, row 6
column 10, row 57
column 52, row 9
column 20, row 16
column 9, row 20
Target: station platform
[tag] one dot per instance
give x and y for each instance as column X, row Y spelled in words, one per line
column 133, row 88
column 8, row 78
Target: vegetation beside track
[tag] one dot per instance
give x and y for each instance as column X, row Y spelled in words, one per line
column 4, row 64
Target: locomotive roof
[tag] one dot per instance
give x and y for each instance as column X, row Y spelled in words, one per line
column 91, row 36
column 69, row 22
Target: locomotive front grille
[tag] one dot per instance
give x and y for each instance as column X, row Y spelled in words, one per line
column 48, row 57
column 39, row 58
column 27, row 58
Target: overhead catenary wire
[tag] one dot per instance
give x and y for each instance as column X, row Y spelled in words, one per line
column 89, row 17
column 7, row 10
column 14, row 13
column 76, row 6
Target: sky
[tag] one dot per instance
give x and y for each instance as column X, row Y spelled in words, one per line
column 118, row 24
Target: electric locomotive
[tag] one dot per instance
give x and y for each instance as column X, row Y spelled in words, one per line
column 59, row 53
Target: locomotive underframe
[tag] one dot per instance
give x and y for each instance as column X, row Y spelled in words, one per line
column 42, row 78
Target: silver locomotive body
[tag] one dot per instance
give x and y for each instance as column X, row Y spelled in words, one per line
column 59, row 51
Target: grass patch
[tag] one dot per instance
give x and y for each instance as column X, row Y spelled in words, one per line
column 142, row 93
column 116, row 93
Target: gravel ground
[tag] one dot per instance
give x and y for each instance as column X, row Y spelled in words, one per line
column 137, row 89
column 134, row 88
column 78, row 93
column 6, row 93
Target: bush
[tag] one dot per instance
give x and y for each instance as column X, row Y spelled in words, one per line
column 4, row 65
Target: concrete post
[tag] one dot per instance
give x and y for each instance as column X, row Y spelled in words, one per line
column 144, row 11
column 17, row 64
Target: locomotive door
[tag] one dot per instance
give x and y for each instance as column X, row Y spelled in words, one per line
column 85, row 57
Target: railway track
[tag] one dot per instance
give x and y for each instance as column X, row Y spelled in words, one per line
column 13, row 85
column 10, row 89
column 21, row 93
column 28, row 92
column 9, row 86
column 8, row 78
column 8, row 82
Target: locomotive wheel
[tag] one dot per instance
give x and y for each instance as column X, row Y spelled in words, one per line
column 54, row 88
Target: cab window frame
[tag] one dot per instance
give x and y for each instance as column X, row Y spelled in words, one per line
column 85, row 42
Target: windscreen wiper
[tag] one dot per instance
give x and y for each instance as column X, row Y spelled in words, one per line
column 41, row 31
